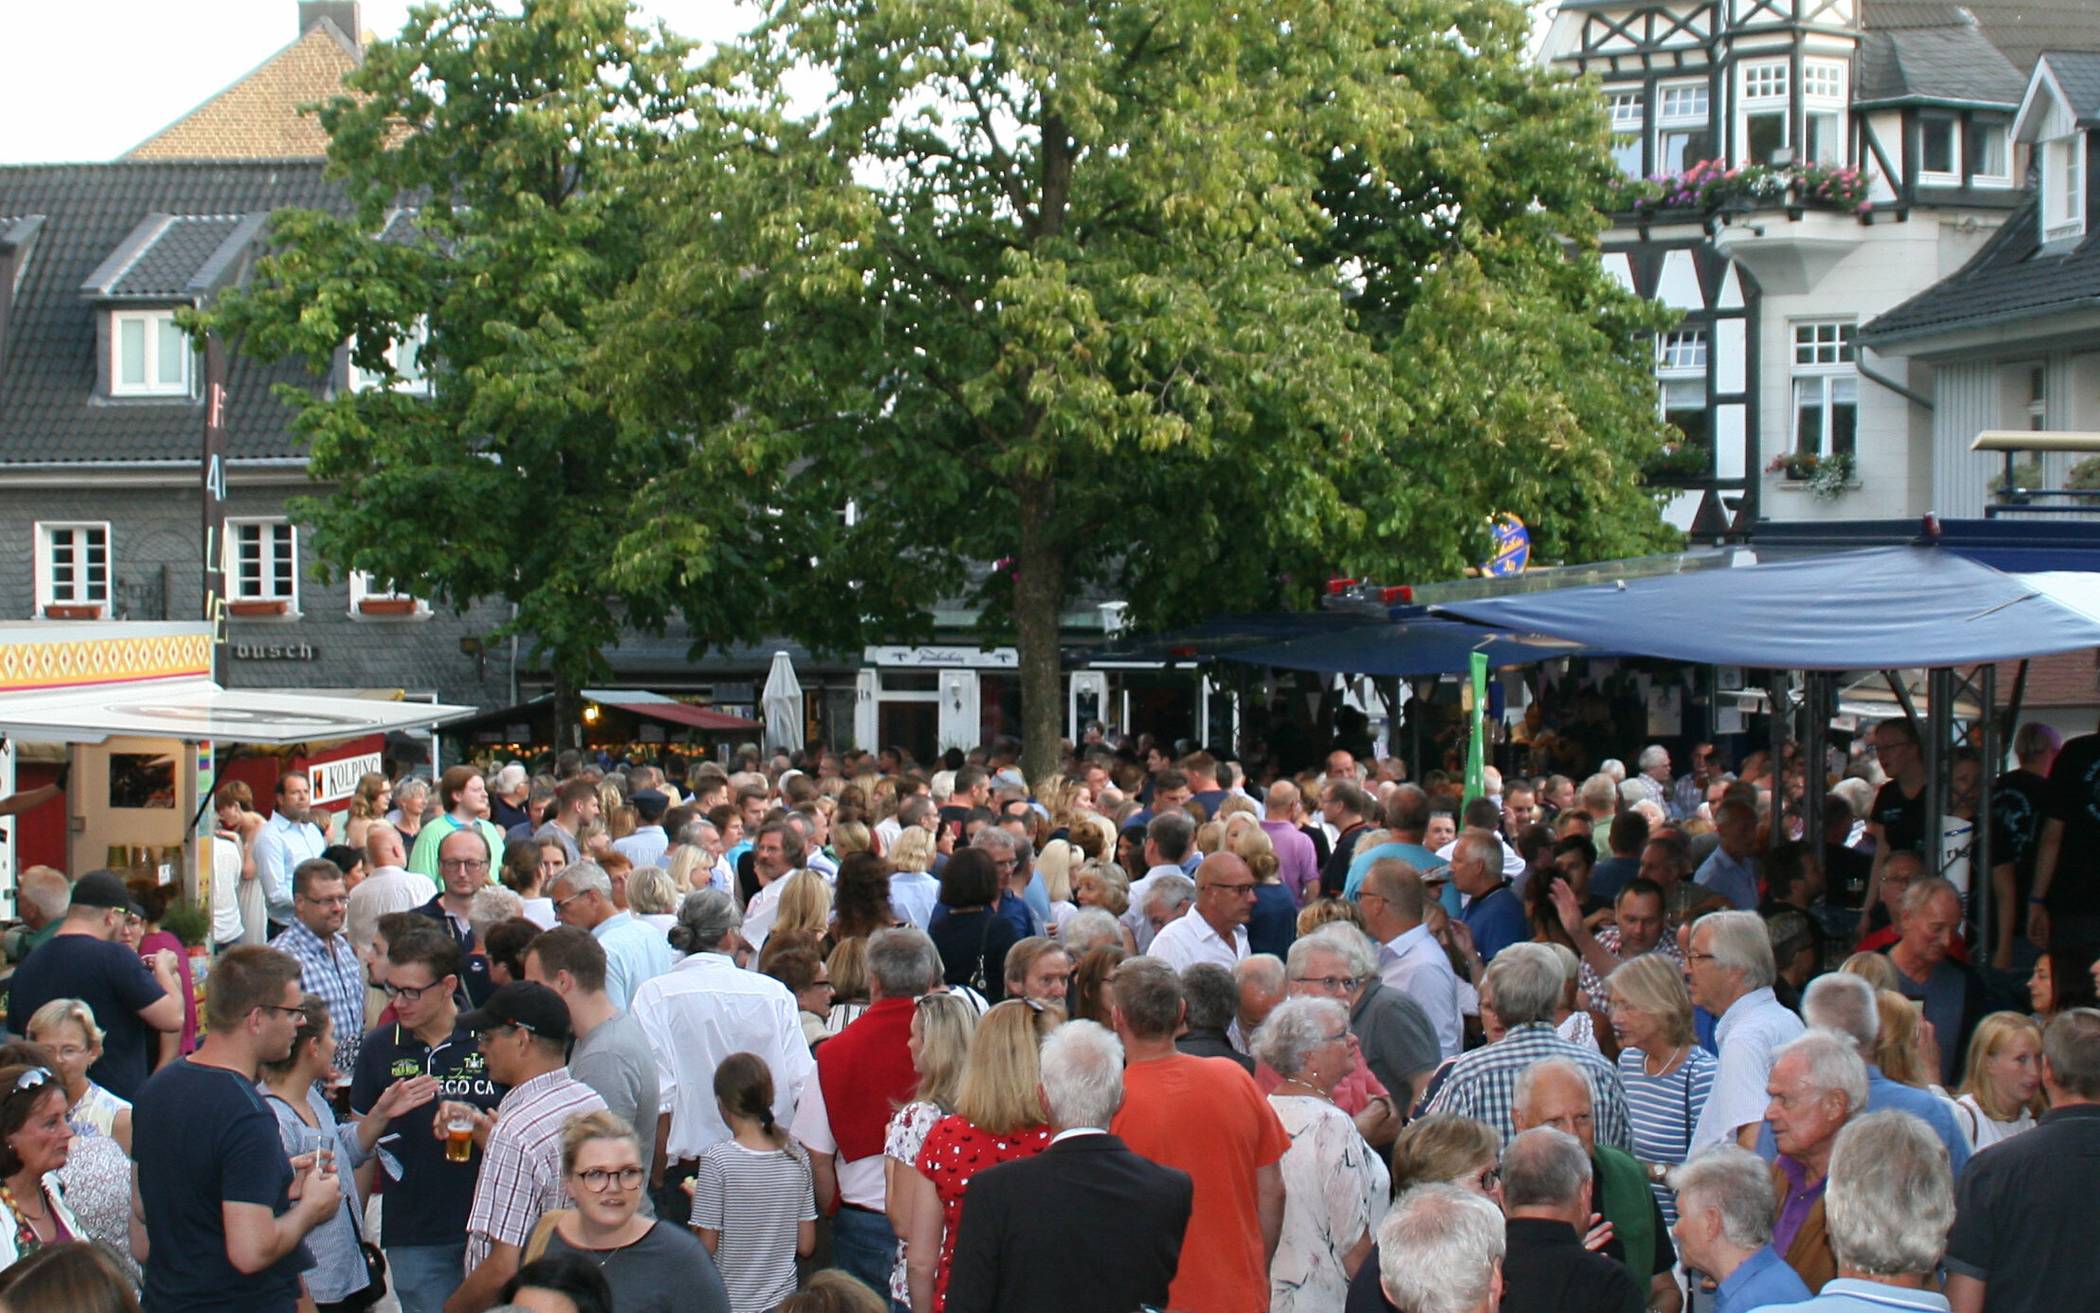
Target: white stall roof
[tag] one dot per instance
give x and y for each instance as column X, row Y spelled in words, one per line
column 196, row 709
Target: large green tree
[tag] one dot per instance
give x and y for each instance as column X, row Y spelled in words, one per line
column 497, row 165
column 1189, row 301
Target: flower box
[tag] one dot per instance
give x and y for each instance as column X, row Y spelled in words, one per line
column 276, row 606
column 386, row 606
column 73, row 611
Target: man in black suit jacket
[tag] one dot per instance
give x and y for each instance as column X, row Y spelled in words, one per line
column 1546, row 1192
column 1086, row 1226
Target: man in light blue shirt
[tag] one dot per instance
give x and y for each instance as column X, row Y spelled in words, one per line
column 1845, row 1003
column 1725, row 1210
column 1732, row 869
column 1393, row 902
column 288, row 838
column 635, row 951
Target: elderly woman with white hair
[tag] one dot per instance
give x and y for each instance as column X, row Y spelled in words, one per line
column 1334, row 1186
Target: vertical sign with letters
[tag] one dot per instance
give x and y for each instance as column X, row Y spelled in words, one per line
column 215, row 499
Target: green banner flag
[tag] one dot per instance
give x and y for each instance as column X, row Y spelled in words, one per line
column 1476, row 750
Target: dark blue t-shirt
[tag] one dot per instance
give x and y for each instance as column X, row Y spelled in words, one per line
column 113, row 982
column 1496, row 920
column 203, row 1137
column 429, row 1204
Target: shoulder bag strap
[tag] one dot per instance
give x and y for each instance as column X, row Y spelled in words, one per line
column 542, row 1232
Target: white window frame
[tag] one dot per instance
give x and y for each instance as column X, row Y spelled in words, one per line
column 1984, row 132
column 152, row 325
column 414, row 381
column 1949, row 177
column 1682, row 108
column 1823, row 81
column 1682, row 353
column 1762, row 91
column 80, row 591
column 1823, row 96
column 364, row 588
column 266, row 588
column 2063, row 187
column 1825, row 354
column 1629, row 115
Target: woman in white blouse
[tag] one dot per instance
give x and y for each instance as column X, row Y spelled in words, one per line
column 2001, row 1090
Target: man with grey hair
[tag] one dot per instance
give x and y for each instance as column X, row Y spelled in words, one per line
column 1014, row 857
column 635, row 951
column 1951, row 993
column 1653, row 781
column 701, row 1011
column 1087, row 929
column 1440, row 1250
column 1394, row 1033
column 1167, row 900
column 1169, row 838
column 1890, row 1204
column 1526, row 983
column 1731, row 968
column 1493, row 912
column 1546, row 1195
column 1818, row 1083
column 1843, row 1002
column 508, row 790
column 1027, row 1219
column 1725, row 1209
column 863, row 1074
column 2030, row 1200
column 1213, row 997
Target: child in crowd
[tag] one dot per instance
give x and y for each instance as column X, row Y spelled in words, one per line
column 754, row 1201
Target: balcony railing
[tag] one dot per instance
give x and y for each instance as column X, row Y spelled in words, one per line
column 1711, row 185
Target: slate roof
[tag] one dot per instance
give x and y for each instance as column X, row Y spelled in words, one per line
column 2010, row 279
column 1941, row 65
column 2020, row 29
column 258, row 116
column 184, row 222
column 2078, row 74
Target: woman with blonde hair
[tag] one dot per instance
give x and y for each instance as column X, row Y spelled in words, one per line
column 1666, row 1074
column 374, row 795
column 914, row 890
column 805, row 906
column 2001, row 1088
column 1210, row 837
column 1874, row 968
column 847, row 965
column 1274, row 921
column 1103, row 885
column 692, row 867
column 653, row 896
column 999, row 1117
column 1905, row 1049
column 1326, row 911
column 850, row 837
column 652, row 1266
column 942, row 1026
column 1055, row 864
column 1444, row 1148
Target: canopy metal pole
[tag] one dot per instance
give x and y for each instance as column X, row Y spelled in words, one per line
column 1939, row 720
column 2013, row 703
column 1910, row 710
column 1982, row 891
column 1815, row 729
column 1777, row 699
column 1414, row 729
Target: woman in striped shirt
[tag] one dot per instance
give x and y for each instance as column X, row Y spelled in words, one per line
column 754, row 1201
column 1666, row 1074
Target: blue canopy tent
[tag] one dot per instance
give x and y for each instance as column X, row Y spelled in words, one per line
column 1421, row 646
column 1878, row 609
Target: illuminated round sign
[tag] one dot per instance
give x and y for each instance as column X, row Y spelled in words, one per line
column 1512, row 548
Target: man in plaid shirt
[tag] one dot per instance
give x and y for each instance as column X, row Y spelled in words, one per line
column 524, row 1032
column 1524, row 986
column 328, row 965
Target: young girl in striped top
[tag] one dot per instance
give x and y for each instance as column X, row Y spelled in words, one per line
column 754, row 1202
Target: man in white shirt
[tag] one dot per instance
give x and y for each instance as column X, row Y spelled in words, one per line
column 288, row 838
column 646, row 846
column 1215, row 929
column 1732, row 972
column 390, row 886
column 776, row 853
column 1168, row 838
column 1410, row 961
column 700, row 1012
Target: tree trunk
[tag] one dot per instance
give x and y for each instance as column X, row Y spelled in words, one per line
column 1039, row 587
column 568, row 711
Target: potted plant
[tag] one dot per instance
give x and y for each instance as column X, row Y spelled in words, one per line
column 386, row 605
column 257, row 606
column 1827, row 477
column 73, row 611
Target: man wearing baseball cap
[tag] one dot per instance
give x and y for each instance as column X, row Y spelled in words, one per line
column 84, row 961
column 524, row 1033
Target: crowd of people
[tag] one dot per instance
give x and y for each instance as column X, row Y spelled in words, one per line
column 835, row 1031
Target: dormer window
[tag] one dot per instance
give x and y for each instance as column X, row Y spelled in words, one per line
column 1761, row 123
column 1939, row 149
column 405, row 355
column 2063, row 187
column 149, row 355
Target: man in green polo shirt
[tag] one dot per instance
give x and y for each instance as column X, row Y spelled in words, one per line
column 465, row 797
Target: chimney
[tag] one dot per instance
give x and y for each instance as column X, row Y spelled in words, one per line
column 343, row 13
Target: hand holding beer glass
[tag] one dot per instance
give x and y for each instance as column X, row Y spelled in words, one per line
column 460, row 1126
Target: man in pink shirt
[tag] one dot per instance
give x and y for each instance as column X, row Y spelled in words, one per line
column 1297, row 864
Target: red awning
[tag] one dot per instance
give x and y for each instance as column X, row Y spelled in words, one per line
column 662, row 708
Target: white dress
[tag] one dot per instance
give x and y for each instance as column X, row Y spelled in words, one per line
column 1334, row 1189
column 1985, row 1130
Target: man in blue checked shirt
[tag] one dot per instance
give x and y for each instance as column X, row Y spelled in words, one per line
column 328, row 965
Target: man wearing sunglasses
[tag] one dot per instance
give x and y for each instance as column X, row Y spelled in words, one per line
column 524, row 1033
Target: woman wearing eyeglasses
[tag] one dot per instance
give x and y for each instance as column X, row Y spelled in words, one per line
column 34, row 1138
column 1334, row 1187
column 305, row 1123
column 652, row 1266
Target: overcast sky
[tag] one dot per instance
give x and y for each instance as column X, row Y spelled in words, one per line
column 90, row 79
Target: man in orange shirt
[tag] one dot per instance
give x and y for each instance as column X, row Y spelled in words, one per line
column 1205, row 1117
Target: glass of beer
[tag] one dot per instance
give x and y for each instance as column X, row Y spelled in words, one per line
column 459, row 1135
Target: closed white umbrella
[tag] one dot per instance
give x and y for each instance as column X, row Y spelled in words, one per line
column 783, row 705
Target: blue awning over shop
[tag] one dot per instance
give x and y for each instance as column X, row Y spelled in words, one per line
column 1425, row 646
column 1882, row 608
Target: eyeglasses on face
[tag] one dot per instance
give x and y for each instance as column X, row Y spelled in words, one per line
column 462, row 864
column 1327, row 982
column 289, row 1013
column 410, row 994
column 339, row 900
column 600, row 1179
